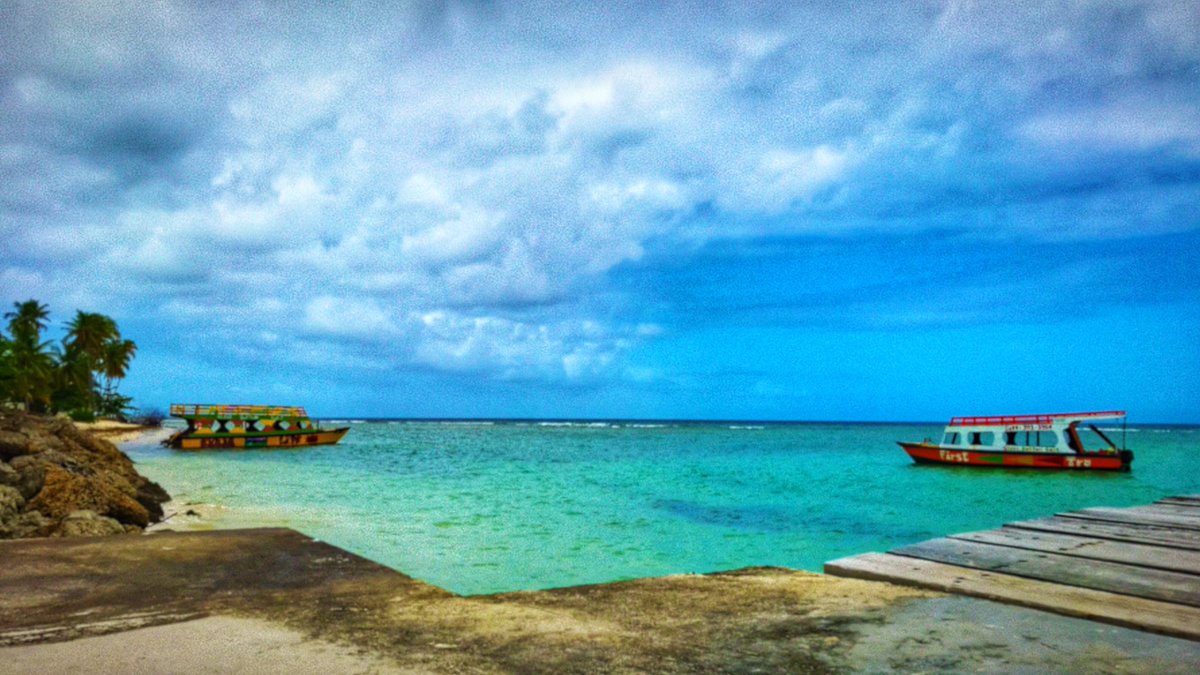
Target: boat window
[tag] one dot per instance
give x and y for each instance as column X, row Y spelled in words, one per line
column 1092, row 440
column 951, row 438
column 1032, row 439
column 982, row 437
column 1071, row 440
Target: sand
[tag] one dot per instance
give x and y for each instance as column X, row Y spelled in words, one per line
column 122, row 432
column 215, row 644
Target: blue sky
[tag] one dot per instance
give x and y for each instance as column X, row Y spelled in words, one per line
column 812, row 211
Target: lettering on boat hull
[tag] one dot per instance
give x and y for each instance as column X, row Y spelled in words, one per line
column 951, row 456
column 931, row 454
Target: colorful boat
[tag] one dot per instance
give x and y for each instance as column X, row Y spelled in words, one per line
column 1028, row 441
column 248, row 427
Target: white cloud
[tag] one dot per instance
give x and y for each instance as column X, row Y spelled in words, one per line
column 473, row 234
column 570, row 350
column 299, row 191
column 347, row 317
column 784, row 177
column 1132, row 125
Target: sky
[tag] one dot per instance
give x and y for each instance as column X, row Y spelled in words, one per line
column 778, row 211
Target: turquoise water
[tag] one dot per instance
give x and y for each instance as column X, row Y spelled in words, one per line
column 490, row 507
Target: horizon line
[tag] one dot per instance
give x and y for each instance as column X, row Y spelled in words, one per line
column 666, row 420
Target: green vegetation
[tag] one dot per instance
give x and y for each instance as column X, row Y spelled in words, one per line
column 42, row 377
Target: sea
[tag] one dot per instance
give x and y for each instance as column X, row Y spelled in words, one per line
column 489, row 506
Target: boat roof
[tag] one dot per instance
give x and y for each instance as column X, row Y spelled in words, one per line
column 233, row 412
column 1050, row 418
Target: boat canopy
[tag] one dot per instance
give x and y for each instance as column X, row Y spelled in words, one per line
column 235, row 412
column 997, row 420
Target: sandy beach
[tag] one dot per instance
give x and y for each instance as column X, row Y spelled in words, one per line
column 121, row 432
column 214, row 644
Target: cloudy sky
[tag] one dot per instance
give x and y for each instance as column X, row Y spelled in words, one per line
column 808, row 210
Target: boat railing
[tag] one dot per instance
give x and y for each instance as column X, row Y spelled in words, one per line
column 235, row 411
column 994, row 420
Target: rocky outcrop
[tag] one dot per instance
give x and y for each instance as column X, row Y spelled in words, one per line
column 56, row 480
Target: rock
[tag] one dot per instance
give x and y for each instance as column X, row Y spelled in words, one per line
column 31, row 474
column 9, row 475
column 86, row 523
column 54, row 472
column 152, row 496
column 30, row 524
column 11, row 502
column 64, row 493
column 127, row 510
column 13, row 522
column 13, row 444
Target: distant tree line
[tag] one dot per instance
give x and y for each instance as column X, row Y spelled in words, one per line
column 79, row 376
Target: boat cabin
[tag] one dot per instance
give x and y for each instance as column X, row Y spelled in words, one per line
column 1059, row 432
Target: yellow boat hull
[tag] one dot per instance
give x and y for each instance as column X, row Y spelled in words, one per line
column 305, row 438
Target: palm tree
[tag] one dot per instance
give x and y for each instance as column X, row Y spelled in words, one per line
column 83, row 354
column 6, row 370
column 26, row 323
column 31, row 366
column 74, row 382
column 115, row 363
column 88, row 332
column 41, row 377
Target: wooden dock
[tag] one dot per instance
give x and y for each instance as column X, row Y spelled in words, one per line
column 1137, row 567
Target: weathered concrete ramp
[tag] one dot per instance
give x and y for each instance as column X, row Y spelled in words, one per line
column 133, row 597
column 1137, row 567
column 60, row 589
column 276, row 601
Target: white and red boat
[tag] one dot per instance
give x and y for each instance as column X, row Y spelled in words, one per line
column 1029, row 441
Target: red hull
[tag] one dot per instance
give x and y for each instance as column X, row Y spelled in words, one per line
column 924, row 453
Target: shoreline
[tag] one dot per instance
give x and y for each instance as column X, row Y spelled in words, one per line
column 181, row 515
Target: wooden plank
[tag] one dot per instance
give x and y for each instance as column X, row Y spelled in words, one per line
column 1170, row 510
column 1120, row 610
column 1105, row 576
column 1091, row 548
column 1131, row 532
column 1129, row 516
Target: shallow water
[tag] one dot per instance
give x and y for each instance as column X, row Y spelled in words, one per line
column 491, row 507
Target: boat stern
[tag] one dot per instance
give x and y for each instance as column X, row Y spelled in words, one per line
column 1126, row 460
